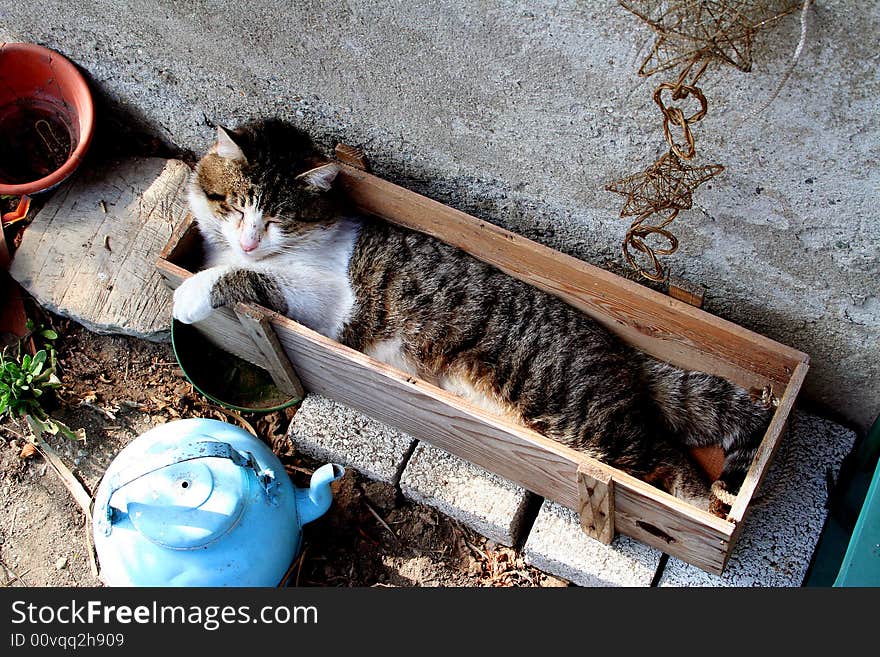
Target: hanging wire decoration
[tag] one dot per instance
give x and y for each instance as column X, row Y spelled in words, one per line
column 691, row 35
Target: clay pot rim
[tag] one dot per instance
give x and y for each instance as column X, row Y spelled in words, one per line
column 64, row 68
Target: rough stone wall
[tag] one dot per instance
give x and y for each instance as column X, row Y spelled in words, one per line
column 521, row 112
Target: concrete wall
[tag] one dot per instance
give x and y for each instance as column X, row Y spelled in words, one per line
column 521, row 112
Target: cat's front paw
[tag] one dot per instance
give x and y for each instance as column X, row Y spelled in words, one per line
column 192, row 300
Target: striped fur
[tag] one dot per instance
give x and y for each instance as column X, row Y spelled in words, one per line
column 437, row 312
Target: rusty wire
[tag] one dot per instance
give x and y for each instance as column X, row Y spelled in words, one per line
column 664, row 187
column 719, row 30
column 691, row 34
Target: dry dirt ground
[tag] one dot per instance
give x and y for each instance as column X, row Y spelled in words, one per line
column 115, row 388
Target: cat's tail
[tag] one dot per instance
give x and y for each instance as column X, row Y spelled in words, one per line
column 701, row 410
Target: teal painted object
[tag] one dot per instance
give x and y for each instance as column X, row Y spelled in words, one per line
column 200, row 502
column 861, row 563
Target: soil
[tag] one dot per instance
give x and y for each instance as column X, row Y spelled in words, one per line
column 115, row 388
column 35, row 140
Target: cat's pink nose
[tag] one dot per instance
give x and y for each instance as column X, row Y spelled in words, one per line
column 248, row 245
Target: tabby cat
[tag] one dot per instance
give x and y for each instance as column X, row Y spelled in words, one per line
column 277, row 233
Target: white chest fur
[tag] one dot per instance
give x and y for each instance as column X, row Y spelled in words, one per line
column 311, row 273
column 313, row 276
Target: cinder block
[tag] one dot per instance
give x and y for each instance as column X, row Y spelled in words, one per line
column 333, row 432
column 787, row 514
column 489, row 504
column 557, row 545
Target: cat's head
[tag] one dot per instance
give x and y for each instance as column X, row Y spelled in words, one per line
column 261, row 189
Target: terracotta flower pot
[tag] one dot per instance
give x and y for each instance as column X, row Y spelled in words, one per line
column 46, row 118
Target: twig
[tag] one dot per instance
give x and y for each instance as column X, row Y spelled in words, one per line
column 244, row 423
column 14, row 433
column 93, row 555
column 76, row 488
column 95, row 407
column 296, row 468
column 12, row 523
column 20, row 578
column 298, row 566
column 290, row 571
column 477, row 550
column 367, row 537
column 380, row 519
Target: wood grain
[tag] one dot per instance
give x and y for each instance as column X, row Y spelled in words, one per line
column 181, row 240
column 596, row 506
column 97, row 267
column 223, row 327
column 691, row 293
column 258, row 327
column 352, row 156
column 659, row 325
column 769, row 445
column 536, row 462
column 671, row 525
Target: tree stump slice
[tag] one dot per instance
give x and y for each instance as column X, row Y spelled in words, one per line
column 90, row 252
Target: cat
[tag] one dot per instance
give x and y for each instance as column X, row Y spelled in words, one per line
column 278, row 233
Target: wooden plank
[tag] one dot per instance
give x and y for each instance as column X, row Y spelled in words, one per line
column 450, row 422
column 172, row 274
column 670, row 524
column 769, row 445
column 258, row 327
column 596, row 507
column 352, row 156
column 95, row 265
column 691, row 293
column 223, row 327
column 424, row 411
column 663, row 327
column 536, row 462
column 178, row 244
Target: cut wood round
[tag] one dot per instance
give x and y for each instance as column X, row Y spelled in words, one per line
column 90, row 252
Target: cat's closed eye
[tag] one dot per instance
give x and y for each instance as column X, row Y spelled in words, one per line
column 214, row 196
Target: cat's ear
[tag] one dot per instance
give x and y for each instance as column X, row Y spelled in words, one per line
column 320, row 178
column 226, row 147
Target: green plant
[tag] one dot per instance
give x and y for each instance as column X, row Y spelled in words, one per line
column 24, row 380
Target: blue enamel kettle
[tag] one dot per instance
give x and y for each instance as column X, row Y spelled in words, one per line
column 201, row 502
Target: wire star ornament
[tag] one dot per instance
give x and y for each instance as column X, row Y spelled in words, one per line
column 668, row 184
column 690, row 35
column 690, row 30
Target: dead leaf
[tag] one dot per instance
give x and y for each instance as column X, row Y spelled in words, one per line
column 27, row 451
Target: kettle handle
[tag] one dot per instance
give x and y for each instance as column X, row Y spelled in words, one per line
column 104, row 513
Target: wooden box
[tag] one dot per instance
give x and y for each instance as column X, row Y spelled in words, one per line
column 608, row 500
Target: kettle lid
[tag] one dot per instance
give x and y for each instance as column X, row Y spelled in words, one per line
column 183, row 497
column 186, row 505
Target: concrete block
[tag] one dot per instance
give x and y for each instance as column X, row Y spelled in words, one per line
column 489, row 504
column 330, row 431
column 788, row 514
column 558, row 545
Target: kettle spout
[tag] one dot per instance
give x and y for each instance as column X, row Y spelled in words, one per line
column 313, row 502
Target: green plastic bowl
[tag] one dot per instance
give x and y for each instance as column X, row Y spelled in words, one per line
column 224, row 378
